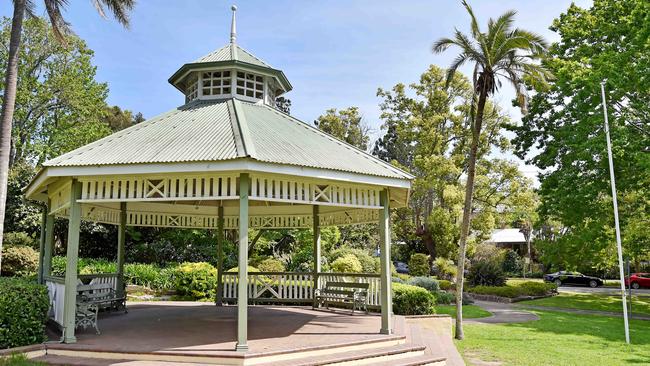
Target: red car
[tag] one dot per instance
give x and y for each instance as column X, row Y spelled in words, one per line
column 638, row 280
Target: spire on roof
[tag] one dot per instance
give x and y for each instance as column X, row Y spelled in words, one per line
column 233, row 26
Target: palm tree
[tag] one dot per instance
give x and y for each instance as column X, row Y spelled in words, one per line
column 501, row 53
column 120, row 10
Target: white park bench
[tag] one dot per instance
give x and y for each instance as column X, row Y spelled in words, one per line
column 349, row 293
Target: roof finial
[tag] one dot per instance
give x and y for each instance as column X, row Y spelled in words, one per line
column 233, row 26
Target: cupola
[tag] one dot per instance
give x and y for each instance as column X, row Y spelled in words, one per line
column 230, row 72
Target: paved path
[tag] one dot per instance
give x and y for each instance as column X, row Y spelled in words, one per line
column 502, row 313
column 436, row 334
column 581, row 311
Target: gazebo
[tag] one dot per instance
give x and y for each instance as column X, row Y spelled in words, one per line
column 226, row 159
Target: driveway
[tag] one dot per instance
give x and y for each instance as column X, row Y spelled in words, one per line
column 602, row 290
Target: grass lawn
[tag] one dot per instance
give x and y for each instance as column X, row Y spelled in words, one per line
column 557, row 339
column 469, row 311
column 640, row 305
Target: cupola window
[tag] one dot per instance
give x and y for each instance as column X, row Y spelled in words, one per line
column 192, row 91
column 250, row 85
column 216, row 83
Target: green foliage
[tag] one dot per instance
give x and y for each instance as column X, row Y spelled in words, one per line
column 444, row 268
column 412, row 300
column 19, row 239
column 425, row 282
column 19, row 261
column 346, row 125
column 445, row 285
column 21, row 215
column 369, row 264
column 271, row 265
column 196, row 281
column 528, row 288
column 23, row 312
column 512, row 263
column 59, row 104
column 445, row 298
column 347, row 264
column 19, row 359
column 563, row 135
column 148, row 275
column 419, row 265
column 486, row 273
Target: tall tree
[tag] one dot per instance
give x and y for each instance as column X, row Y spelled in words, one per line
column 347, row 125
column 563, row 135
column 120, row 10
column 502, row 52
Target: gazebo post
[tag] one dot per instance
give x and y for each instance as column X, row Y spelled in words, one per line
column 72, row 253
column 121, row 241
column 384, row 241
column 317, row 250
column 48, row 249
column 220, row 238
column 242, row 273
column 41, row 251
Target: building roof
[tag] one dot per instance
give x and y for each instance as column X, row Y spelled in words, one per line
column 507, row 236
column 232, row 52
column 219, row 130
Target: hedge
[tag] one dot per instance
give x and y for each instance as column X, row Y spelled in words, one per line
column 419, row 265
column 23, row 312
column 19, row 261
column 412, row 300
column 512, row 291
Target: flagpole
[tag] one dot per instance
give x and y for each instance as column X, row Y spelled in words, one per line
column 618, row 229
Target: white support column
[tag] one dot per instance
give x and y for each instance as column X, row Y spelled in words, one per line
column 386, row 298
column 317, row 249
column 41, row 251
column 220, row 239
column 242, row 286
column 72, row 253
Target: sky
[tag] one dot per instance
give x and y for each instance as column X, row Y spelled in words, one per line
column 335, row 53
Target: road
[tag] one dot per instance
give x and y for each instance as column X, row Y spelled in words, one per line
column 602, row 290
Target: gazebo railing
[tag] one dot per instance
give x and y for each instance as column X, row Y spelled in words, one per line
column 294, row 287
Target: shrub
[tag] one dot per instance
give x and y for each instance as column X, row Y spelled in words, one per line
column 486, row 273
column 19, row 261
column 531, row 288
column 419, row 265
column 444, row 268
column 445, row 298
column 425, row 282
column 271, row 265
column 141, row 274
column 97, row 266
column 412, row 300
column 368, row 263
column 196, row 281
column 511, row 262
column 23, row 312
column 503, row 291
column 402, row 276
column 19, row 239
column 347, row 264
column 446, row 285
column 396, row 280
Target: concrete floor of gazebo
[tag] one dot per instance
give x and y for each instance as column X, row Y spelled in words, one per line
column 192, row 328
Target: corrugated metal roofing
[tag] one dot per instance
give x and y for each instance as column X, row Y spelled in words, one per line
column 223, row 130
column 199, row 131
column 232, row 52
column 280, row 138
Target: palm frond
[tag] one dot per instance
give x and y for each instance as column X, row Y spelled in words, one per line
column 500, row 27
column 451, row 71
column 120, row 9
column 442, row 44
column 60, row 27
column 476, row 31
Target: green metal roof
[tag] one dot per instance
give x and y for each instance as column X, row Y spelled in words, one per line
column 232, row 52
column 229, row 129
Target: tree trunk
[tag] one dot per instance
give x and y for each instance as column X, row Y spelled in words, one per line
column 8, row 103
column 467, row 210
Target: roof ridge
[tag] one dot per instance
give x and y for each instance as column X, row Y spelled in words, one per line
column 355, row 149
column 244, row 131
